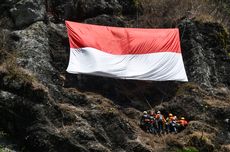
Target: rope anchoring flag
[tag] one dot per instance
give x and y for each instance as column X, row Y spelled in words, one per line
column 125, row 53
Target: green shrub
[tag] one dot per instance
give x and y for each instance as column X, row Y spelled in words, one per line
column 188, row 149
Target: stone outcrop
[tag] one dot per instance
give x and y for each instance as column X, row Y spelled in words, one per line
column 25, row 12
column 205, row 52
column 83, row 9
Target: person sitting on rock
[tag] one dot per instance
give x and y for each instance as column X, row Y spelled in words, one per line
column 145, row 121
column 160, row 120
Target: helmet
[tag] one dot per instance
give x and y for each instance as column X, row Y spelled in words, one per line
column 170, row 115
column 158, row 112
column 145, row 112
column 182, row 118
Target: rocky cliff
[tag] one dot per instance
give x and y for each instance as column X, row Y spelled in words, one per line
column 43, row 108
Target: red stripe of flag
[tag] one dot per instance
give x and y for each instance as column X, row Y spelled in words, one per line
column 121, row 41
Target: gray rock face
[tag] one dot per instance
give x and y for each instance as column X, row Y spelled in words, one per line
column 34, row 48
column 25, row 12
column 204, row 51
column 5, row 20
column 58, row 46
column 92, row 8
column 46, row 124
column 129, row 7
column 83, row 9
column 6, row 4
column 106, row 20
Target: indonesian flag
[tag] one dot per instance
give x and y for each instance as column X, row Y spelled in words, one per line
column 125, row 53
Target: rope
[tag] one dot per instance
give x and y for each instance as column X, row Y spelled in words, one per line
column 148, row 103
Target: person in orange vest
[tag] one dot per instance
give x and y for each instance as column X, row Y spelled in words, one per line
column 160, row 120
column 182, row 123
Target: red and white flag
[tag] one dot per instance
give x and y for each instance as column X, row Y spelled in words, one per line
column 125, row 53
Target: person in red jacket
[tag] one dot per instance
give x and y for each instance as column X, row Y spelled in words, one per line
column 182, row 123
column 153, row 125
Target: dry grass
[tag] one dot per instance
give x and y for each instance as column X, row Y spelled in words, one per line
column 161, row 142
column 190, row 87
column 225, row 147
column 8, row 61
column 16, row 72
column 166, row 13
column 13, row 72
column 203, row 139
column 215, row 103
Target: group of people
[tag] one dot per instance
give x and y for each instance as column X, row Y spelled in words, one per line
column 156, row 123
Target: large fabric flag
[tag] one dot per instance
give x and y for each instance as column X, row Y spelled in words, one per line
column 125, row 53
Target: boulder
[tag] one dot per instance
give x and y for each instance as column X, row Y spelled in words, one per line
column 26, row 12
column 129, row 7
column 33, row 44
column 204, row 52
column 92, row 8
column 6, row 5
column 83, row 9
column 106, row 20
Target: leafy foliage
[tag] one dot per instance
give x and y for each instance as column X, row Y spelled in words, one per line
column 188, row 149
